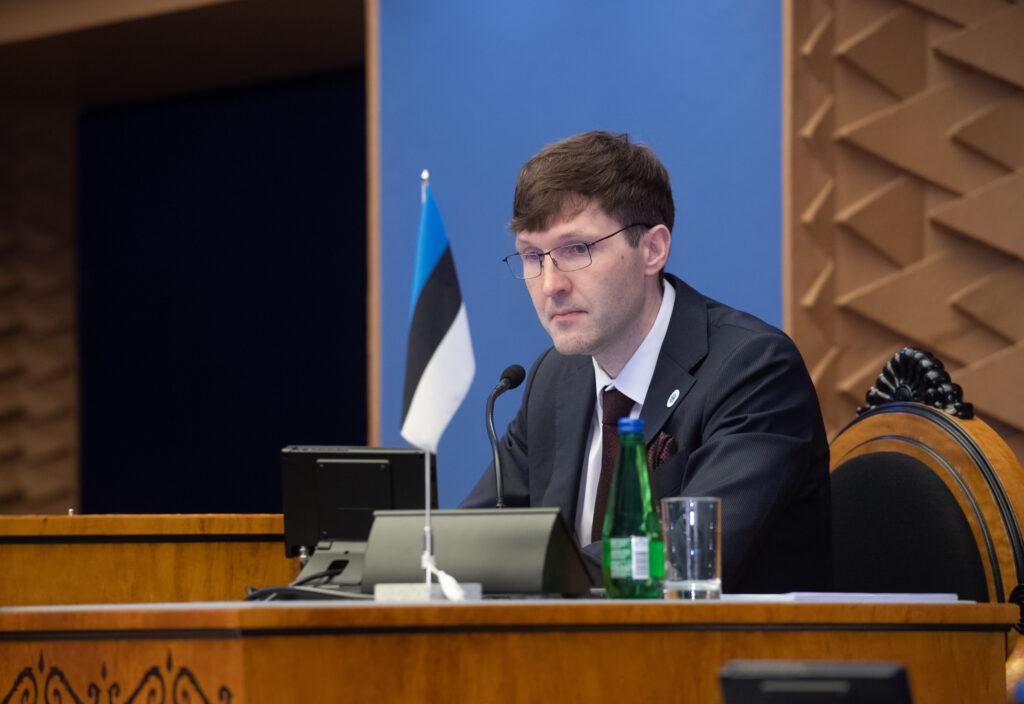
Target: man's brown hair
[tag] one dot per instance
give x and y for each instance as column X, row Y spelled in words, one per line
column 626, row 179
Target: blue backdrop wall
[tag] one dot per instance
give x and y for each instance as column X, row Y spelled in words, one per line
column 470, row 90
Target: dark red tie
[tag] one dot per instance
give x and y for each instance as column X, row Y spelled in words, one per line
column 615, row 405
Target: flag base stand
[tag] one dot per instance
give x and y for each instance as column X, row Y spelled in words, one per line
column 421, row 592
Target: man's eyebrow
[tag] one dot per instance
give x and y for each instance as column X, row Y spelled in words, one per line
column 521, row 242
column 559, row 240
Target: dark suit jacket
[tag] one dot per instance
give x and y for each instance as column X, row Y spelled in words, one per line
column 747, row 426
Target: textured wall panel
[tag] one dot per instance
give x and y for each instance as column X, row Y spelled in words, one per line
column 992, row 45
column 995, row 132
column 905, row 226
column 993, row 215
column 895, row 207
column 886, row 52
column 985, row 301
column 38, row 366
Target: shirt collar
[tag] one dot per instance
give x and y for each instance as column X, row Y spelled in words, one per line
column 636, row 376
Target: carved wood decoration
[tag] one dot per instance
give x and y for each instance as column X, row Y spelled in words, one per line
column 38, row 363
column 159, row 684
column 904, row 196
column 915, row 375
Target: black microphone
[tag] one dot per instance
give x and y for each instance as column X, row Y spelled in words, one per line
column 510, row 378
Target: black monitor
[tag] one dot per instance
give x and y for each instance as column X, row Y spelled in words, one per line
column 330, row 493
column 806, row 682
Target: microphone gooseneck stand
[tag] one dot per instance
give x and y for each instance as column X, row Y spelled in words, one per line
column 510, row 378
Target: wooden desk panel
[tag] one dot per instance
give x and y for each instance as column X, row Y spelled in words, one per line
column 92, row 559
column 511, row 652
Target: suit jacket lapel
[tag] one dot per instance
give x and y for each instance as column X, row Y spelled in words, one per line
column 574, row 407
column 685, row 344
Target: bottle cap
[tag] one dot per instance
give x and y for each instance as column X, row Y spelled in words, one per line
column 631, row 425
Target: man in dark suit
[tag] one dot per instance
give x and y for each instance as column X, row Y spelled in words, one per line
column 728, row 407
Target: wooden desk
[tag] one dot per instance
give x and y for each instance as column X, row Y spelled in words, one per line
column 95, row 559
column 510, row 652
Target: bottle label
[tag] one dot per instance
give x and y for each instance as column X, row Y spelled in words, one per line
column 641, row 557
column 630, row 557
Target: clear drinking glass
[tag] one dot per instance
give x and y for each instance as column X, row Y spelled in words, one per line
column 692, row 529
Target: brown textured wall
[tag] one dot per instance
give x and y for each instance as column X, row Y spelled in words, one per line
column 38, row 366
column 904, row 195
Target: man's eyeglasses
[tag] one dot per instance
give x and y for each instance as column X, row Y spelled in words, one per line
column 568, row 257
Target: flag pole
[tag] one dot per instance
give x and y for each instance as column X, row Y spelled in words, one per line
column 432, row 396
column 428, row 534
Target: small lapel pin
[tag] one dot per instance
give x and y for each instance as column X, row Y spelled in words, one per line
column 673, row 397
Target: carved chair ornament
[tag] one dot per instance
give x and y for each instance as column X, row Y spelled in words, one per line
column 916, row 375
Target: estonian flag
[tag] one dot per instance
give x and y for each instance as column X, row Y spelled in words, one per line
column 439, row 364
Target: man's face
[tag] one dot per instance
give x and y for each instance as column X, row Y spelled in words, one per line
column 598, row 310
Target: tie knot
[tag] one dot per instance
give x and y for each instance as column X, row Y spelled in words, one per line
column 615, row 405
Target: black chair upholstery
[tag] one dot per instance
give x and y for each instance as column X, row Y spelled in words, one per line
column 898, row 528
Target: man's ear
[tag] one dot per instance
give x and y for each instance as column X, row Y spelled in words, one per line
column 656, row 243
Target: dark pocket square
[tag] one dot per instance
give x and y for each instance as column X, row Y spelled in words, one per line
column 661, row 448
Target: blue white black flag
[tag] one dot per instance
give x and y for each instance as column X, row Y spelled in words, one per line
column 439, row 364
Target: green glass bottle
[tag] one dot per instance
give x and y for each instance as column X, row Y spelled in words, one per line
column 634, row 563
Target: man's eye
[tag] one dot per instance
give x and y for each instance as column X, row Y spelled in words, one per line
column 530, row 256
column 574, row 250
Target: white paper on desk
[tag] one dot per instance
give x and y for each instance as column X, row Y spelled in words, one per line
column 847, row 598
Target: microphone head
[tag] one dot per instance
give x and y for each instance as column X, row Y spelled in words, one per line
column 514, row 374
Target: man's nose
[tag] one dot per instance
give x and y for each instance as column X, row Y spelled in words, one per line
column 553, row 279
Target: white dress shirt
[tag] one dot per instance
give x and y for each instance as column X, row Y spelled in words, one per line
column 633, row 380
